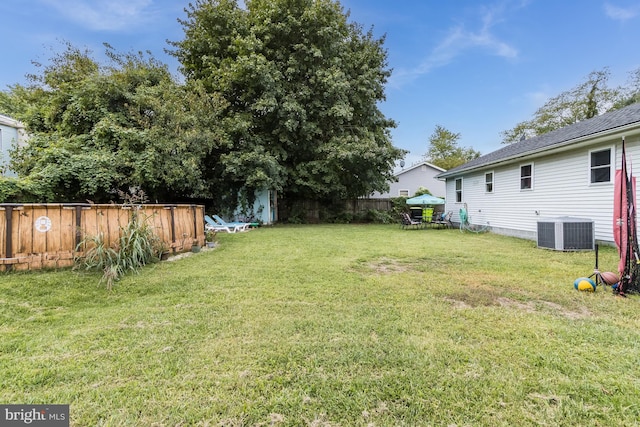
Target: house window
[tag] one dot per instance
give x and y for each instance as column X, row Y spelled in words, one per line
column 600, row 166
column 526, row 177
column 488, row 182
column 458, row 190
column 403, row 193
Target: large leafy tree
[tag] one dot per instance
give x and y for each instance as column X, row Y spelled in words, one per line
column 588, row 99
column 96, row 129
column 444, row 150
column 630, row 93
column 302, row 87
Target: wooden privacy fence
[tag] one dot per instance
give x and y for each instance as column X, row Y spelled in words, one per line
column 34, row 236
column 312, row 208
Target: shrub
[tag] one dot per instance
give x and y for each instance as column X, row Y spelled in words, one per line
column 422, row 190
column 398, row 206
column 137, row 246
column 379, row 217
column 18, row 190
column 343, row 218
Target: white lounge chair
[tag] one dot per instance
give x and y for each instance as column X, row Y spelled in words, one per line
column 214, row 226
column 239, row 226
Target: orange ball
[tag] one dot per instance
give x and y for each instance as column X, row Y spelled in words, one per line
column 609, row 278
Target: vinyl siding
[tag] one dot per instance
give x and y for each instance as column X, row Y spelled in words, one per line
column 8, row 140
column 561, row 187
column 414, row 178
column 11, row 135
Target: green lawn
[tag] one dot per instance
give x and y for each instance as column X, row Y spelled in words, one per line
column 330, row 325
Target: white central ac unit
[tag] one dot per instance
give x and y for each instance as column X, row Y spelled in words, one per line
column 566, row 234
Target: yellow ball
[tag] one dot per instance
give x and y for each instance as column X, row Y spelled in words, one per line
column 584, row 284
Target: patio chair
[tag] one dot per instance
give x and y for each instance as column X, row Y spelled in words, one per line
column 239, row 226
column 444, row 221
column 407, row 222
column 214, row 226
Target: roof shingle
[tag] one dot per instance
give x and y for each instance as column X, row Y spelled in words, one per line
column 608, row 121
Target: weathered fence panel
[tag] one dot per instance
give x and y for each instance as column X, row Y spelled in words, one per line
column 363, row 205
column 34, row 236
column 311, row 210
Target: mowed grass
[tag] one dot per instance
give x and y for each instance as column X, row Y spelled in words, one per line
column 350, row 325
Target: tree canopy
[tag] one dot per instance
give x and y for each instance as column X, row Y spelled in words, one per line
column 444, row 150
column 278, row 94
column 98, row 129
column 586, row 100
column 301, row 87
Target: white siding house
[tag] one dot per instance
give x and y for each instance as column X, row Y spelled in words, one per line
column 11, row 135
column 412, row 178
column 567, row 172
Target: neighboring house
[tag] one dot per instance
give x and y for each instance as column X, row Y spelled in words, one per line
column 412, row 178
column 568, row 172
column 11, row 134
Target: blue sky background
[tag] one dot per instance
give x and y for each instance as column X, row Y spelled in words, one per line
column 475, row 67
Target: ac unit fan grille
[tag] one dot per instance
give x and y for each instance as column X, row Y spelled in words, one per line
column 578, row 235
column 547, row 235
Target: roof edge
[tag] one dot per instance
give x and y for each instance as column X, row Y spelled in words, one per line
column 415, row 166
column 557, row 147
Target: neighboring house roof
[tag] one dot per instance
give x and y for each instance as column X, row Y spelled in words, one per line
column 417, row 165
column 614, row 120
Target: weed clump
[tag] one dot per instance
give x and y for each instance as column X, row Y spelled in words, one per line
column 137, row 246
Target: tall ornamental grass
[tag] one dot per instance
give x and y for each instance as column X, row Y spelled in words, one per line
column 137, row 246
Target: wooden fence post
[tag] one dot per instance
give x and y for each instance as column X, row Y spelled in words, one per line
column 173, row 228
column 78, row 226
column 195, row 225
column 8, row 233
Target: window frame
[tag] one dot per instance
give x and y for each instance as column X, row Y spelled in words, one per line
column 611, row 165
column 525, row 177
column 401, row 192
column 491, row 183
column 458, row 191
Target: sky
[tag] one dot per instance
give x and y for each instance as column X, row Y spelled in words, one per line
column 475, row 67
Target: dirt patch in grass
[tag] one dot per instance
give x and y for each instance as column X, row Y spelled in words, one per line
column 384, row 265
column 181, row 255
column 482, row 297
column 390, row 265
column 545, row 306
column 473, row 297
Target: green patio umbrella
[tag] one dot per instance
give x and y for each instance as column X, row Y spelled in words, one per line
column 425, row 199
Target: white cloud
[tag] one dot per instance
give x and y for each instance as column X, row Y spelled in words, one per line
column 458, row 41
column 538, row 99
column 620, row 13
column 104, row 15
